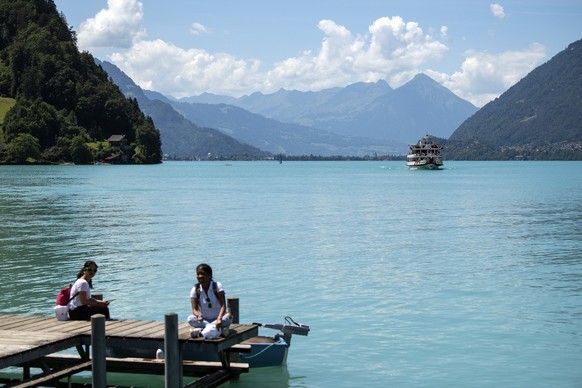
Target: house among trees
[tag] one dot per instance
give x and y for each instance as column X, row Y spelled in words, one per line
column 120, row 142
column 117, row 141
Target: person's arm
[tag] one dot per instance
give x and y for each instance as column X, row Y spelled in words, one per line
column 196, row 308
column 91, row 301
column 222, row 311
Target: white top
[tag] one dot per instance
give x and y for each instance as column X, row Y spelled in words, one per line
column 209, row 314
column 80, row 285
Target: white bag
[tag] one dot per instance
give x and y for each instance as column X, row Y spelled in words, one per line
column 62, row 313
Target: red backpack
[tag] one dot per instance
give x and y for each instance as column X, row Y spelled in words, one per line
column 64, row 296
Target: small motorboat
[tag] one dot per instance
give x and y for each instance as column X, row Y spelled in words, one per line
column 265, row 350
column 272, row 350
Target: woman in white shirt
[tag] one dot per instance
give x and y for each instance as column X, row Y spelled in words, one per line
column 82, row 306
column 209, row 317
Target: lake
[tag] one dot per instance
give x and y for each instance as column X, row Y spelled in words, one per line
column 468, row 276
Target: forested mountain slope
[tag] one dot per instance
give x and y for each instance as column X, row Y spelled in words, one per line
column 65, row 105
column 539, row 117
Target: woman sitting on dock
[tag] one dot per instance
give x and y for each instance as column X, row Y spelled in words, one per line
column 209, row 317
column 83, row 306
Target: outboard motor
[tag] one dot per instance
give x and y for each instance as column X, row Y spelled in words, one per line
column 288, row 329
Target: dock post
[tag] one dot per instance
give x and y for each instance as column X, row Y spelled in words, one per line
column 173, row 362
column 234, row 310
column 98, row 362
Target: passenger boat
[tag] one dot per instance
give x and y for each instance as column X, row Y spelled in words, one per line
column 424, row 155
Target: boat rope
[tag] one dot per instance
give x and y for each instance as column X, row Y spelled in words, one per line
column 244, row 357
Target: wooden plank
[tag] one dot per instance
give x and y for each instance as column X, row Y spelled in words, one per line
column 154, row 331
column 118, row 330
column 7, row 321
column 15, row 356
column 52, row 375
column 45, row 335
column 213, row 379
column 149, row 365
column 147, row 327
column 140, row 329
column 29, row 338
column 240, row 348
column 29, row 323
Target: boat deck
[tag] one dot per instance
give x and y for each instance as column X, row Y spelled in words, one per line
column 25, row 340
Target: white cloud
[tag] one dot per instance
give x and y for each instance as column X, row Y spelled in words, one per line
column 444, row 32
column 186, row 72
column 198, row 29
column 497, row 11
column 119, row 25
column 393, row 50
column 484, row 76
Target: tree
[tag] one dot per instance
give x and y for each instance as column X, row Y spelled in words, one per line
column 61, row 93
column 24, row 148
column 35, row 117
column 148, row 143
column 80, row 152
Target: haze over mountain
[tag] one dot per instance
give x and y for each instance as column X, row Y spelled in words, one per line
column 370, row 110
column 180, row 137
column 181, row 124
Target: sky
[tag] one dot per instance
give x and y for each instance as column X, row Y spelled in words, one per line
column 477, row 49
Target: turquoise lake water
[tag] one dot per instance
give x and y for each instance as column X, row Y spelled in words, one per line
column 466, row 277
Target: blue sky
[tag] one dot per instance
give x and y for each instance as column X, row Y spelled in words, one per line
column 477, row 49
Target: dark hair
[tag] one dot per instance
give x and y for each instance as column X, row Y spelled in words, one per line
column 87, row 264
column 206, row 268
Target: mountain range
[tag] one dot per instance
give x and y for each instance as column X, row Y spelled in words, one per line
column 540, row 117
column 370, row 110
column 360, row 119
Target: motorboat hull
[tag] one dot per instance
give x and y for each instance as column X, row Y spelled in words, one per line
column 265, row 351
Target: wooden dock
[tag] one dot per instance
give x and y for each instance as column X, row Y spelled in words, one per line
column 32, row 341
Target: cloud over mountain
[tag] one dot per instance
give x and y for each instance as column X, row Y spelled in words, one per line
column 393, row 49
column 120, row 25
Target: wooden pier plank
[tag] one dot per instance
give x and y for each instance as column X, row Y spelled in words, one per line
column 7, row 321
column 46, row 335
column 28, row 324
column 134, row 329
column 53, row 375
column 149, row 365
column 125, row 327
column 148, row 327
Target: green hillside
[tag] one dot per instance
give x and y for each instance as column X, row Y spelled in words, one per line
column 540, row 117
column 65, row 104
column 5, row 105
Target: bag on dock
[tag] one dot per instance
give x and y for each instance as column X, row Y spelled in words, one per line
column 62, row 313
column 61, row 305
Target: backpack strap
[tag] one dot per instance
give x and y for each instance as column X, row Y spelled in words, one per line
column 73, row 297
column 214, row 289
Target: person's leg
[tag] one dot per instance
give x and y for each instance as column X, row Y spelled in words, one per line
column 225, row 325
column 80, row 313
column 194, row 322
column 226, row 320
column 84, row 313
